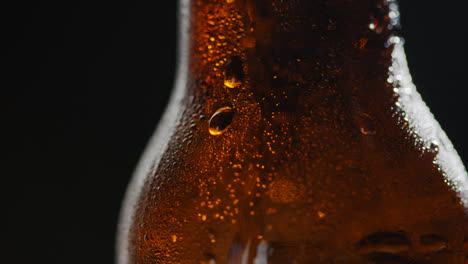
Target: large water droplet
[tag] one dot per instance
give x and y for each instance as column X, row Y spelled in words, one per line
column 234, row 72
column 366, row 124
column 220, row 120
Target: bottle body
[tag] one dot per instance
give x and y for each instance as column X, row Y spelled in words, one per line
column 295, row 135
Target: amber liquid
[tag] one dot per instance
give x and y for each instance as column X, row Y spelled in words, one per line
column 296, row 137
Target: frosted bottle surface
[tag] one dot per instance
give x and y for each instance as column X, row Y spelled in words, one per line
column 295, row 135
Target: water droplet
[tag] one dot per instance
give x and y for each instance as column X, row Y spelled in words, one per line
column 434, row 147
column 432, row 243
column 321, row 214
column 379, row 16
column 231, row 83
column 174, row 238
column 220, row 120
column 234, row 73
column 208, row 258
column 366, row 124
column 211, row 261
column 229, row 1
column 212, row 237
column 385, row 242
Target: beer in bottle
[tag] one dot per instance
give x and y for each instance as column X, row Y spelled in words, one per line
column 295, row 135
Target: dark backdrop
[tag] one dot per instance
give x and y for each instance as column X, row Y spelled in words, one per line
column 85, row 85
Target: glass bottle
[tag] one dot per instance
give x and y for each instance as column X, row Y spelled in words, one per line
column 295, row 135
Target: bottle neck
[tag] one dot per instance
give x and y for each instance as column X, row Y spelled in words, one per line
column 285, row 55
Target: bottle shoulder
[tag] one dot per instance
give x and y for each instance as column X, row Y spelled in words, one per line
column 325, row 178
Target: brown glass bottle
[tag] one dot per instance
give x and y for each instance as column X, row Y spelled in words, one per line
column 295, row 135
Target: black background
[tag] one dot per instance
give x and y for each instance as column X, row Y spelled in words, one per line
column 85, row 84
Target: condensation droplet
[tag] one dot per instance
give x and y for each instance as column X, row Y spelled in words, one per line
column 208, row 258
column 234, row 72
column 231, row 83
column 321, row 214
column 220, row 121
column 378, row 16
column 229, row 1
column 212, row 238
column 434, row 147
column 366, row 124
